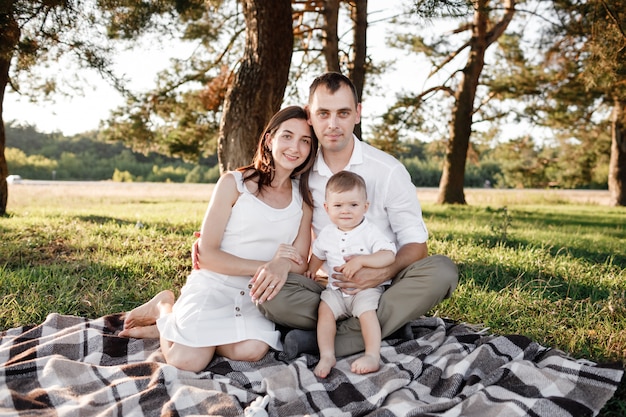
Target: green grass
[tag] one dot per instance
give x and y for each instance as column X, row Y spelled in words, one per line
column 535, row 263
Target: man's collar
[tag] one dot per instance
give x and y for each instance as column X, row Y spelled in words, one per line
column 356, row 158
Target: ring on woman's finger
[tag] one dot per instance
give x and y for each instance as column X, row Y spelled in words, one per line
column 271, row 286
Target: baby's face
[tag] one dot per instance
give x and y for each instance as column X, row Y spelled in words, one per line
column 347, row 209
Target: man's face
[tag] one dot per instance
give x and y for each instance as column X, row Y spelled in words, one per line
column 333, row 117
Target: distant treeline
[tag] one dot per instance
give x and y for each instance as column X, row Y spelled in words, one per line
column 517, row 164
column 83, row 157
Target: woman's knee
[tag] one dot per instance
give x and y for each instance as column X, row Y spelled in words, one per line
column 249, row 351
column 189, row 363
column 189, row 359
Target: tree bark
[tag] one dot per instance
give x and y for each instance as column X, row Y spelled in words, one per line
column 359, row 55
column 259, row 83
column 617, row 163
column 330, row 43
column 483, row 34
column 9, row 37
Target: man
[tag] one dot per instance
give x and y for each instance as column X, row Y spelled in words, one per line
column 419, row 281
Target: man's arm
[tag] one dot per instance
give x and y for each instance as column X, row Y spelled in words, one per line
column 373, row 277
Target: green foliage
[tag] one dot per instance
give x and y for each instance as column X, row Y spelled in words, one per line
column 501, row 223
column 427, row 173
column 33, row 166
column 84, row 157
column 423, row 173
column 122, row 176
column 203, row 174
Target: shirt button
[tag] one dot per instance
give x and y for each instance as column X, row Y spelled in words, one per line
column 242, row 293
column 237, row 309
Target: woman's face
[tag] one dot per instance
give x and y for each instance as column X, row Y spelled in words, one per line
column 291, row 144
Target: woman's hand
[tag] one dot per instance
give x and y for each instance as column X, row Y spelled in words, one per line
column 289, row 252
column 269, row 279
column 195, row 252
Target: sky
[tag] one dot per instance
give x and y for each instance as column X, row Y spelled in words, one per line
column 83, row 112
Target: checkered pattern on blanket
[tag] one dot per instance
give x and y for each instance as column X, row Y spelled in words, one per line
column 70, row 366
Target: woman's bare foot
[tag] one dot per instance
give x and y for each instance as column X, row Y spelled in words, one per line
column 324, row 366
column 366, row 364
column 148, row 313
column 141, row 332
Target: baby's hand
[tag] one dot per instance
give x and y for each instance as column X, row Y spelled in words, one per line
column 351, row 267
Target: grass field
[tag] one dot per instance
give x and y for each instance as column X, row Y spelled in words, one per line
column 548, row 264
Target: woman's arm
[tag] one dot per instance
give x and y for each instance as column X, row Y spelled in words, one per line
column 270, row 277
column 303, row 240
column 210, row 256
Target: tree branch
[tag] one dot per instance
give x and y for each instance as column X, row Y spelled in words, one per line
column 501, row 26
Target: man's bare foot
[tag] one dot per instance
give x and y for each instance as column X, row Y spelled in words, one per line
column 366, row 364
column 324, row 366
column 148, row 313
column 141, row 332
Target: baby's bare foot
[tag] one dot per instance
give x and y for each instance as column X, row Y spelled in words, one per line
column 366, row 364
column 324, row 366
column 148, row 313
column 141, row 332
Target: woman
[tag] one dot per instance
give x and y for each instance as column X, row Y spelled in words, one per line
column 255, row 231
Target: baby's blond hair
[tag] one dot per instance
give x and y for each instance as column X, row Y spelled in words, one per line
column 345, row 181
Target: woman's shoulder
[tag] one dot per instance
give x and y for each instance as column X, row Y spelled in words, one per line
column 229, row 182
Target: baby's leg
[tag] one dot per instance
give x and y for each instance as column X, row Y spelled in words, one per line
column 370, row 361
column 326, row 329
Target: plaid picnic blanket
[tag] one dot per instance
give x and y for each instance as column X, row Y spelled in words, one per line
column 72, row 366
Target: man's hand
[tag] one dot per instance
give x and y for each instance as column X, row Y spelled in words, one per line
column 362, row 279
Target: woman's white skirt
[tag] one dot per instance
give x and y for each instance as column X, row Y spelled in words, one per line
column 214, row 310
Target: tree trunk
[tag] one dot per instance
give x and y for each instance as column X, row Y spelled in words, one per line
column 9, row 36
column 359, row 56
column 483, row 34
column 257, row 90
column 330, row 43
column 617, row 164
column 453, row 175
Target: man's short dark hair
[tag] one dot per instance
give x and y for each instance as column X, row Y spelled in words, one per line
column 333, row 81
